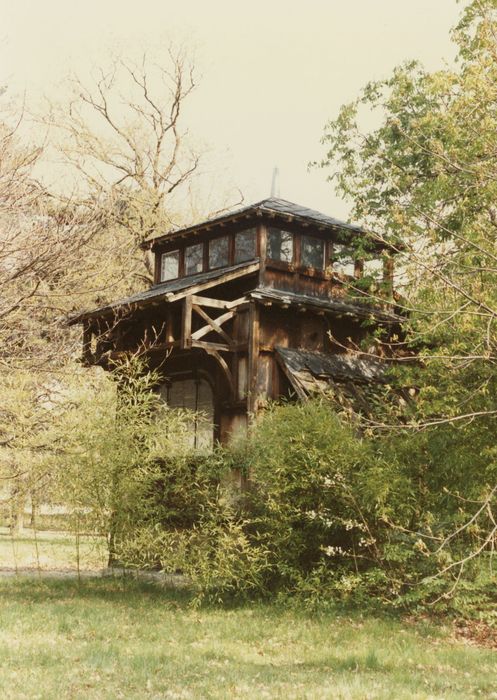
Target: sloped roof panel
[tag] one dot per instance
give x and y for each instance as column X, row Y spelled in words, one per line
column 166, row 289
column 271, row 206
column 332, row 367
column 342, row 307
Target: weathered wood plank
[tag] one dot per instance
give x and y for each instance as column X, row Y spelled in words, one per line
column 208, row 346
column 186, row 323
column 210, row 326
column 228, row 277
column 214, row 326
column 253, row 358
column 206, row 301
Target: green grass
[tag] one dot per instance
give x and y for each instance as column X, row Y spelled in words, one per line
column 116, row 638
column 50, row 550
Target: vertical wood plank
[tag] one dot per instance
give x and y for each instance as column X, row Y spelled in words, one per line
column 297, row 249
column 253, row 358
column 186, row 323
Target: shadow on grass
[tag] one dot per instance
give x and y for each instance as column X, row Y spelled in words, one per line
column 112, row 589
column 133, row 592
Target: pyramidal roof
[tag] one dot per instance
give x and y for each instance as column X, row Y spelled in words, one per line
column 272, row 206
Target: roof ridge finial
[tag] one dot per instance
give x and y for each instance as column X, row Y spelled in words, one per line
column 275, row 185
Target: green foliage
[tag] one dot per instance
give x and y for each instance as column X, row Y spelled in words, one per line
column 321, row 491
column 193, row 526
column 215, row 555
column 404, row 518
column 114, row 432
column 329, row 516
column 425, row 180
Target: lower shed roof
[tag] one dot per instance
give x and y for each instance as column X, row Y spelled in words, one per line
column 309, row 371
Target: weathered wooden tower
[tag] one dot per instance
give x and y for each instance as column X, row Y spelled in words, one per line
column 249, row 306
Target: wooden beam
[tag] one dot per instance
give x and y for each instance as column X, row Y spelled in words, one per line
column 208, row 329
column 213, row 324
column 218, row 303
column 208, row 346
column 206, row 301
column 253, row 358
column 186, row 323
column 236, row 302
column 222, row 279
column 224, row 368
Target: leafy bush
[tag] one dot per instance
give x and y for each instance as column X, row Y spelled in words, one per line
column 328, row 515
column 361, row 519
column 322, row 496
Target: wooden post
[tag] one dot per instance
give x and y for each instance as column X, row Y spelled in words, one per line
column 186, row 323
column 253, row 358
column 297, row 250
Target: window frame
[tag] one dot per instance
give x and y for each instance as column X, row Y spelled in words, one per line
column 227, row 237
column 200, row 245
column 304, row 265
column 253, row 230
column 176, row 251
column 276, row 261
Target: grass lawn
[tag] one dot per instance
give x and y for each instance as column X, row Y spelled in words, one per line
column 117, row 638
column 50, row 550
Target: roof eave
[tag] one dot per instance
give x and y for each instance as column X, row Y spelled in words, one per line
column 167, row 296
column 258, row 210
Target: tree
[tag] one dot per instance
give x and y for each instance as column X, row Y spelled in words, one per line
column 426, row 180
column 124, row 137
column 40, row 241
column 64, row 251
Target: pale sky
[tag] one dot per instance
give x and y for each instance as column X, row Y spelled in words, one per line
column 271, row 73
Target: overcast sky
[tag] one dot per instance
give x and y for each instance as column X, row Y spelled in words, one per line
column 271, row 73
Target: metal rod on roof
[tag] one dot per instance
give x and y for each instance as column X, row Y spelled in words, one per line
column 275, row 185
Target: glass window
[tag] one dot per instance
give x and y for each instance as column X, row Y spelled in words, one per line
column 245, row 245
column 169, row 267
column 194, row 258
column 280, row 245
column 343, row 262
column 218, row 252
column 312, row 253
